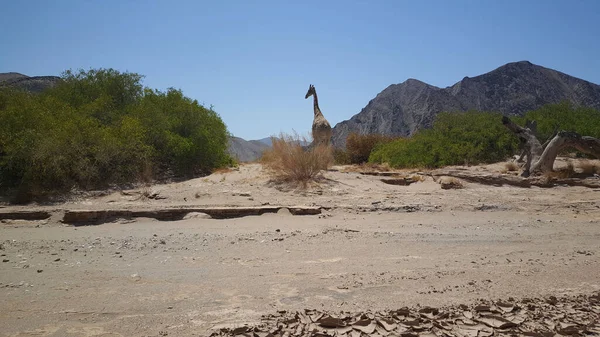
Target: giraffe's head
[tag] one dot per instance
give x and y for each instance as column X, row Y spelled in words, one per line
column 310, row 92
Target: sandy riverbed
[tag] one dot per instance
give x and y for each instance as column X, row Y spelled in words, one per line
column 374, row 247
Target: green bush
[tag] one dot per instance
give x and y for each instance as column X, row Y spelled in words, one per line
column 455, row 139
column 188, row 138
column 359, row 147
column 564, row 116
column 102, row 127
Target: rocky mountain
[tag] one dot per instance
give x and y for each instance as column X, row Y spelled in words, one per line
column 34, row 84
column 247, row 150
column 512, row 89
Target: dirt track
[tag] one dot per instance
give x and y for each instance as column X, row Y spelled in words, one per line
column 190, row 277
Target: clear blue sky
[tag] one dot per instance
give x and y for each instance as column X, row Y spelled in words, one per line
column 254, row 59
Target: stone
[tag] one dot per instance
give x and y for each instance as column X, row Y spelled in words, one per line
column 196, row 215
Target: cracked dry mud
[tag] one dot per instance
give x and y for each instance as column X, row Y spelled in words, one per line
column 380, row 260
column 567, row 316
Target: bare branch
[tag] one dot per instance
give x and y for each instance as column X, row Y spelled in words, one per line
column 540, row 158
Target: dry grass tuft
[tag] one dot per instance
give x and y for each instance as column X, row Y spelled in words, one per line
column 562, row 173
column 146, row 175
column 588, row 167
column 288, row 162
column 145, row 193
column 448, row 183
column 511, row 166
column 417, row 177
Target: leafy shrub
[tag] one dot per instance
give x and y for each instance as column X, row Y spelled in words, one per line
column 456, row 138
column 359, row 147
column 188, row 138
column 564, row 116
column 289, row 162
column 102, row 127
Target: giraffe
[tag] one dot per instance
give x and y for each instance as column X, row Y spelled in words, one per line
column 321, row 130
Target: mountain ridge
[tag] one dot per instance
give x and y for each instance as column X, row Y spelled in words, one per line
column 35, row 84
column 246, row 150
column 511, row 89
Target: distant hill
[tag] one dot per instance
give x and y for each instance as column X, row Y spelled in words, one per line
column 247, row 150
column 512, row 89
column 4, row 77
column 267, row 141
column 33, row 84
column 251, row 150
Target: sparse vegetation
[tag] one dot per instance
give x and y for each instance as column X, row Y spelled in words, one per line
column 99, row 128
column 288, row 162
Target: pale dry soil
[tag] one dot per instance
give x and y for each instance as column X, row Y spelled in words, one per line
column 374, row 247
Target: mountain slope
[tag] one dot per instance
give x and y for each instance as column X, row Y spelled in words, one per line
column 33, row 84
column 5, row 77
column 246, row 150
column 267, row 141
column 512, row 89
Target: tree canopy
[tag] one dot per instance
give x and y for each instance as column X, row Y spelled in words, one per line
column 102, row 127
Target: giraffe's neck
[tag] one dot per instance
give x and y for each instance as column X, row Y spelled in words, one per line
column 316, row 105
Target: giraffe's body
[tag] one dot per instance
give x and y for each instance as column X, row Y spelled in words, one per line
column 321, row 130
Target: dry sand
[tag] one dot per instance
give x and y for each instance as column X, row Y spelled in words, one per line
column 374, row 247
